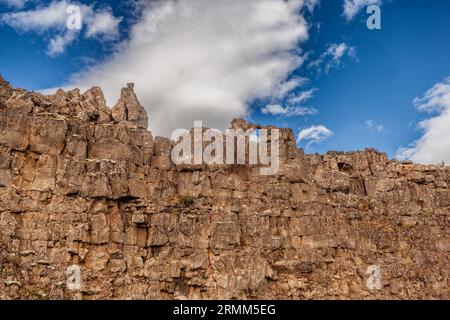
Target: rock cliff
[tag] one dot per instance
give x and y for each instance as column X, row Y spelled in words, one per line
column 85, row 185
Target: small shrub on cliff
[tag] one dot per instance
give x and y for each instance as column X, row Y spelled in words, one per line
column 185, row 201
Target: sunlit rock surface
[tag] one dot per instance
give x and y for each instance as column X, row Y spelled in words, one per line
column 82, row 184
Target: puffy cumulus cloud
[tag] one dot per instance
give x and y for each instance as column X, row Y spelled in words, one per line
column 53, row 18
column 288, row 111
column 204, row 60
column 333, row 55
column 314, row 135
column 352, row 7
column 434, row 145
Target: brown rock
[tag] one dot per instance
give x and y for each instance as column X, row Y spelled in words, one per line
column 83, row 185
column 129, row 109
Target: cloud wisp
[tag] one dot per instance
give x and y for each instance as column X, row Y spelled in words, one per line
column 353, row 7
column 374, row 127
column 292, row 106
column 18, row 4
column 333, row 56
column 302, row 96
column 314, row 135
column 289, row 111
column 52, row 19
column 434, row 145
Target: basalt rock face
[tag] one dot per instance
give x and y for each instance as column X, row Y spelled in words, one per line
column 88, row 186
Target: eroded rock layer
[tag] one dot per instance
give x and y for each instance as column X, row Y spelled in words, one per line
column 88, row 186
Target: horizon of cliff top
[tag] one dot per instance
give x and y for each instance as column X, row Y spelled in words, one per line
column 139, row 115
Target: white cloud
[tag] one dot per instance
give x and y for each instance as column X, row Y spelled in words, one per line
column 314, row 135
column 333, row 55
column 434, row 145
column 53, row 18
column 292, row 104
column 18, row 4
column 204, row 60
column 352, row 7
column 337, row 51
column 38, row 20
column 302, row 96
column 311, row 4
column 59, row 43
column 289, row 111
column 289, row 85
column 374, row 127
column 102, row 23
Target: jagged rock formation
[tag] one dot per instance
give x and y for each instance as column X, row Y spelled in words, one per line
column 82, row 184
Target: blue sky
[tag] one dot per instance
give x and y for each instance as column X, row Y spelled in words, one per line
column 362, row 98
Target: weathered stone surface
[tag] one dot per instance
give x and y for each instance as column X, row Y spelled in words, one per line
column 82, row 184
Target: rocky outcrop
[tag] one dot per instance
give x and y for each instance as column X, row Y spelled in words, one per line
column 88, row 187
column 129, row 110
